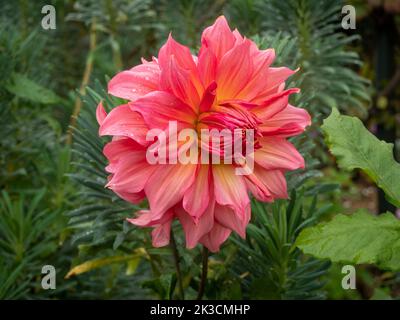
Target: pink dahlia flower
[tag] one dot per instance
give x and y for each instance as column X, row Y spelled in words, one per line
column 231, row 85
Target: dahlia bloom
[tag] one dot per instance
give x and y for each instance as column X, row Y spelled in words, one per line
column 231, row 85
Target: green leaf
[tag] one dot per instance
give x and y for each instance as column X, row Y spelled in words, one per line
column 355, row 147
column 98, row 263
column 24, row 88
column 357, row 238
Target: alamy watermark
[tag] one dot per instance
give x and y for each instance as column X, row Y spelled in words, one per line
column 49, row 20
column 349, row 280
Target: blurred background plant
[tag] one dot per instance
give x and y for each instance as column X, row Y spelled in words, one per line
column 54, row 208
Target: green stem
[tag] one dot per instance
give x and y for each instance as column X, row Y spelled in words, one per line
column 177, row 267
column 203, row 274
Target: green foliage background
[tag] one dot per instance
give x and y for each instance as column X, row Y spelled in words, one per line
column 54, row 208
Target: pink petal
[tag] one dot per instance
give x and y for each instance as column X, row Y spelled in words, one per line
column 130, row 175
column 228, row 219
column 179, row 82
column 274, row 180
column 230, row 189
column 277, row 153
column 207, row 66
column 258, row 188
column 167, row 186
column 261, row 60
column 197, row 197
column 134, row 198
column 274, row 80
column 161, row 235
column 136, row 82
column 122, row 121
column 158, row 108
column 219, row 38
column 195, row 230
column 274, row 104
column 234, row 71
column 217, row 235
column 119, row 149
column 289, row 122
column 101, row 114
column 181, row 53
column 145, row 218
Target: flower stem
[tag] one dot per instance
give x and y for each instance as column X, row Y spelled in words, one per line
column 203, row 274
column 177, row 267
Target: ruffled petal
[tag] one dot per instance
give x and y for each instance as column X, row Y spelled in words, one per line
column 122, row 121
column 228, row 219
column 217, row 236
column 274, row 104
column 179, row 82
column 167, row 186
column 230, row 189
column 136, row 82
column 291, row 121
column 194, row 230
column 158, row 108
column 218, row 38
column 267, row 185
column 101, row 113
column 234, row 71
column 277, row 153
column 197, row 197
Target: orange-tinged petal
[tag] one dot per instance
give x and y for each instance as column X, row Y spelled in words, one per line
column 207, row 66
column 274, row 104
column 197, row 196
column 278, row 153
column 194, row 230
column 234, row 71
column 289, row 122
column 230, row 189
column 178, row 81
column 167, row 186
column 228, row 219
column 122, row 121
column 219, row 38
column 158, row 108
column 217, row 235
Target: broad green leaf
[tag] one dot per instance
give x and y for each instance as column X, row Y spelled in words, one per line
column 355, row 147
column 25, row 88
column 357, row 238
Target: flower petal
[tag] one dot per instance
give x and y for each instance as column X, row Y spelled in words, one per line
column 277, row 153
column 289, row 122
column 101, row 114
column 234, row 71
column 179, row 82
column 230, row 189
column 217, row 235
column 122, row 121
column 197, row 197
column 218, row 37
column 176, row 179
column 195, row 230
column 122, row 148
column 158, row 108
column 136, row 82
column 228, row 219
column 274, row 104
column 161, row 234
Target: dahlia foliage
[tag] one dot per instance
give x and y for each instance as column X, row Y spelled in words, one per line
column 230, row 85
